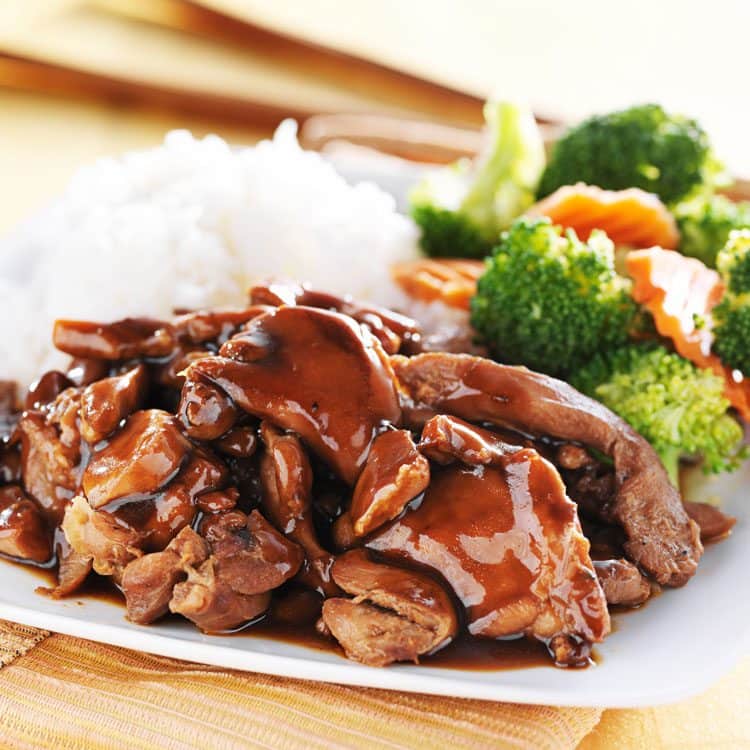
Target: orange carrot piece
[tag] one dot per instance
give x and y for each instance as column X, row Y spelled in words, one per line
column 630, row 217
column 452, row 281
column 675, row 289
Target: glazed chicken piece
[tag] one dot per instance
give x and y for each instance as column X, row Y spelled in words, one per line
column 73, row 568
column 124, row 339
column 712, row 522
column 622, row 582
column 661, row 538
column 396, row 614
column 395, row 473
column 390, row 328
column 148, row 581
column 106, row 402
column 23, row 530
column 287, row 479
column 314, row 372
column 249, row 559
column 502, row 532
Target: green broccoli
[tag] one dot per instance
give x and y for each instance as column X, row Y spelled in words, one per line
column 550, row 301
column 705, row 222
column 461, row 209
column 732, row 315
column 678, row 408
column 643, row 147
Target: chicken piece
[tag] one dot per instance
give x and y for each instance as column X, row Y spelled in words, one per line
column 248, row 559
column 23, row 531
column 314, row 372
column 46, row 389
column 83, row 371
column 390, row 328
column 713, row 523
column 448, row 439
column 73, row 568
column 622, row 582
column 49, row 468
column 138, row 461
column 205, row 410
column 509, row 543
column 105, row 403
column 396, row 615
column 287, row 478
column 214, row 326
column 660, row 537
column 102, row 537
column 394, row 474
column 147, row 582
column 240, row 442
column 123, row 339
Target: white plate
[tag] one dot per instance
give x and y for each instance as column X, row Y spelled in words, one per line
column 676, row 646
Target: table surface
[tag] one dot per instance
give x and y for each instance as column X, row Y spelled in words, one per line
column 43, row 140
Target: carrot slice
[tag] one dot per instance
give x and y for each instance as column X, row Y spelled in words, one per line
column 452, row 281
column 630, row 217
column 675, row 289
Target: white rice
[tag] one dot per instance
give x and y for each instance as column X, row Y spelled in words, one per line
column 188, row 224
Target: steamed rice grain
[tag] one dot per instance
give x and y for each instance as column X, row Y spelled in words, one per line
column 190, row 224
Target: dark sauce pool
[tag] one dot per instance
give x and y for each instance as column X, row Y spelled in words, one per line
column 465, row 653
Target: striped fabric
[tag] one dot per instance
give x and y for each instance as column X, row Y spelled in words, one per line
column 68, row 693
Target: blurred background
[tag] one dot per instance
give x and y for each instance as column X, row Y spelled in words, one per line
column 80, row 79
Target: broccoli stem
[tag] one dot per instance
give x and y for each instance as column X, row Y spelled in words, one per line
column 670, row 457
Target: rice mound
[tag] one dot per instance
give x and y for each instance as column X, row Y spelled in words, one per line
column 188, row 224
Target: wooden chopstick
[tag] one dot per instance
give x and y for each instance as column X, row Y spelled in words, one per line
column 384, row 83
column 27, row 74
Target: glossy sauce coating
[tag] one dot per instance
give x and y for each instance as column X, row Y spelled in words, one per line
column 312, row 371
column 501, row 540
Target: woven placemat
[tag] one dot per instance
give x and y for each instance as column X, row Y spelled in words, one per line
column 17, row 640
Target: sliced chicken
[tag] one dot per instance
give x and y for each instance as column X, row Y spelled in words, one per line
column 23, row 531
column 390, row 328
column 123, row 339
column 105, row 403
column 147, row 582
column 138, row 461
column 622, row 582
column 661, row 538
column 248, row 559
column 396, row 614
column 287, row 479
column 314, row 372
column 394, row 474
column 509, row 543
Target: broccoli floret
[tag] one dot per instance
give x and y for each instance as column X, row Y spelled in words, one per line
column 732, row 315
column 550, row 301
column 643, row 146
column 705, row 223
column 461, row 209
column 678, row 408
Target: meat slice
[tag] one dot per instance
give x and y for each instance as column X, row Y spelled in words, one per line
column 622, row 582
column 396, row 615
column 102, row 537
column 661, row 538
column 124, row 339
column 390, row 328
column 448, row 439
column 713, row 523
column 138, row 461
column 509, row 543
column 49, row 467
column 394, row 474
column 105, row 403
column 214, row 326
column 23, row 531
column 147, row 582
column 248, row 559
column 315, row 372
column 287, row 479
column 72, row 571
